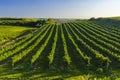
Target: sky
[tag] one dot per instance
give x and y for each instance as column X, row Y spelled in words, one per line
column 59, row 8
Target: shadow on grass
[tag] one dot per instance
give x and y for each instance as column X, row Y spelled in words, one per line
column 8, row 72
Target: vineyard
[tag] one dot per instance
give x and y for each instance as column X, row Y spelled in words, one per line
column 81, row 46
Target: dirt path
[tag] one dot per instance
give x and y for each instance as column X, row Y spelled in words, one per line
column 17, row 39
column 13, row 41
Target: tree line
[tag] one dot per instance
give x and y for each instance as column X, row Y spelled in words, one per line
column 25, row 22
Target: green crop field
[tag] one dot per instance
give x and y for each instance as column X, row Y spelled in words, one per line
column 70, row 51
column 8, row 33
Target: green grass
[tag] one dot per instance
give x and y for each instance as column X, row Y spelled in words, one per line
column 8, row 33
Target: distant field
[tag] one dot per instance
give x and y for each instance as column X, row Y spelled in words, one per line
column 8, row 33
column 116, row 18
column 74, row 50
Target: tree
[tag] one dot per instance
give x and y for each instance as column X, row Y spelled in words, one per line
column 49, row 21
column 92, row 18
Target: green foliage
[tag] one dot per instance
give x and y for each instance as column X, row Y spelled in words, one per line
column 100, row 70
column 51, row 54
column 77, row 46
column 30, row 22
column 66, row 57
column 49, row 21
column 38, row 53
column 24, row 53
column 27, row 19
